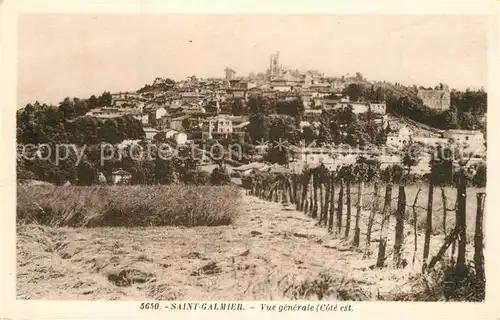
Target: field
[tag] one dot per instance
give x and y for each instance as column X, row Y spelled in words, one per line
column 233, row 247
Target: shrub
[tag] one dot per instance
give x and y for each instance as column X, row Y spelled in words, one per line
column 196, row 177
column 479, row 179
column 235, row 174
column 247, row 182
column 127, row 206
column 220, row 177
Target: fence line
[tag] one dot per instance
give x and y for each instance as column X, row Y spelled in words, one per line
column 330, row 203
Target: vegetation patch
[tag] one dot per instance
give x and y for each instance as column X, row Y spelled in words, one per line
column 127, row 206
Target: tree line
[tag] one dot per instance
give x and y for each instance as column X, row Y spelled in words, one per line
column 157, row 166
column 66, row 123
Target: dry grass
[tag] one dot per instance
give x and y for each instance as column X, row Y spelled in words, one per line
column 270, row 252
column 441, row 284
column 131, row 206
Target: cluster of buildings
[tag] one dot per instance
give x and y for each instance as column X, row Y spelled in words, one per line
column 469, row 141
column 193, row 108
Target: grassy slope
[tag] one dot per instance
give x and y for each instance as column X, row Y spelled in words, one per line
column 271, row 252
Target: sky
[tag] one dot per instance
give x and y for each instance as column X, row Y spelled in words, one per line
column 78, row 55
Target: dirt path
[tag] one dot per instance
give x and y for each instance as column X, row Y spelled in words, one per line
column 271, row 252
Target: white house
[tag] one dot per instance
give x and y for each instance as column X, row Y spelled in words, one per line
column 378, row 108
column 470, row 140
column 221, row 125
column 401, row 139
column 120, row 176
column 150, row 132
column 357, row 107
column 178, row 137
column 160, row 113
column 142, row 117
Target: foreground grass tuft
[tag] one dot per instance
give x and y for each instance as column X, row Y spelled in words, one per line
column 441, row 284
column 127, row 206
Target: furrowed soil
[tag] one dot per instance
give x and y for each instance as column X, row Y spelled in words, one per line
column 271, row 252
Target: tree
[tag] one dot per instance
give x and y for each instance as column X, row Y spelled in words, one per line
column 237, row 107
column 93, row 102
column 441, row 165
column 411, row 155
column 105, row 99
column 109, row 132
column 87, row 174
column 355, row 91
column 67, row 108
column 283, row 128
column 258, row 128
column 308, row 135
column 294, row 108
column 165, row 172
column 261, row 105
column 279, row 155
column 142, row 171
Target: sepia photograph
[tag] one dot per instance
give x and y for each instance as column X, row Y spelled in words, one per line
column 251, row 157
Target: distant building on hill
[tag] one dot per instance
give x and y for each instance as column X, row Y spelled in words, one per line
column 438, row 99
column 216, row 126
column 230, row 74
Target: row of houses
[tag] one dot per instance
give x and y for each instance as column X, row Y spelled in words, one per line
column 470, row 141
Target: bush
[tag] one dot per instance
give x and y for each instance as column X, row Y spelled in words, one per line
column 235, row 174
column 196, row 177
column 247, row 182
column 127, row 206
column 220, row 177
column 479, row 179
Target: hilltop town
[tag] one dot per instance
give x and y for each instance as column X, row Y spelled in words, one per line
column 318, row 116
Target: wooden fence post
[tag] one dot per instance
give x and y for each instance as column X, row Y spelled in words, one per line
column 332, row 204
column 340, row 207
column 384, row 229
column 461, row 224
column 305, row 189
column 400, row 218
column 287, row 192
column 327, row 202
column 348, row 204
column 372, row 216
column 359, row 207
column 311, row 196
column 445, row 209
column 428, row 224
column 478, row 237
column 315, row 196
column 415, row 235
column 447, row 241
column 321, row 201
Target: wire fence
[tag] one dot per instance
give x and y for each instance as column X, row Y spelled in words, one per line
column 416, row 210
